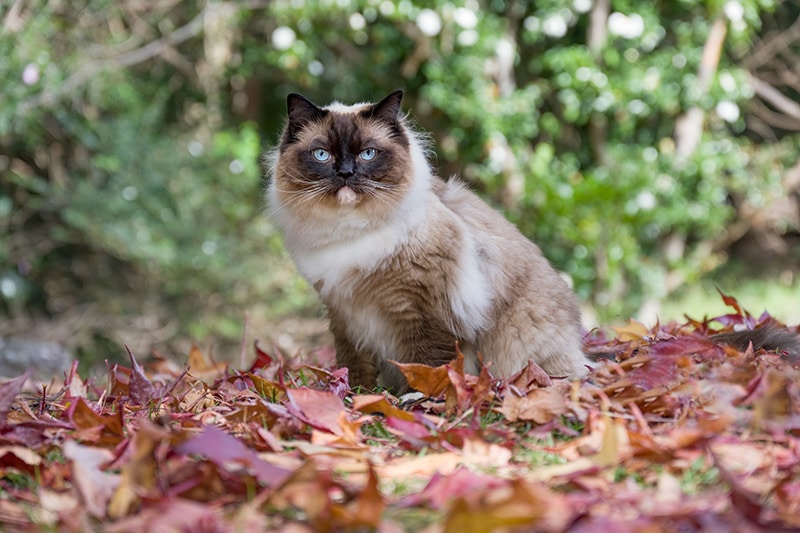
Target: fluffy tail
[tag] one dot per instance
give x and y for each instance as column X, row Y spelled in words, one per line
column 769, row 337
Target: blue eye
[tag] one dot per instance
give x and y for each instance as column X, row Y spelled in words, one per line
column 368, row 154
column 320, row 154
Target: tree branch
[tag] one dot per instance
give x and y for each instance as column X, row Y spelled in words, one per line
column 125, row 60
column 598, row 26
column 768, row 48
column 596, row 37
column 773, row 96
column 776, row 120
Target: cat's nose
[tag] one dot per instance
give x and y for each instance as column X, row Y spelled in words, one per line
column 346, row 169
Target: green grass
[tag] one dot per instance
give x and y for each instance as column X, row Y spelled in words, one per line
column 699, row 477
column 413, row 518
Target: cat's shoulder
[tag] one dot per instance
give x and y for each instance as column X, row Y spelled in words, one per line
column 453, row 191
column 457, row 196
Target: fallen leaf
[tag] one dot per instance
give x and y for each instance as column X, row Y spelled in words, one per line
column 15, row 456
column 428, row 380
column 479, row 453
column 444, row 488
column 203, row 367
column 426, row 465
column 615, row 444
column 93, row 484
column 8, row 392
column 538, row 405
column 521, row 504
column 379, row 404
column 141, row 389
column 171, row 515
column 104, row 430
column 319, row 409
column 633, row 331
column 367, row 509
column 263, row 359
column 431, row 381
column 139, row 475
column 226, row 451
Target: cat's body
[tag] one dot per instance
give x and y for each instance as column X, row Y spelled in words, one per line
column 406, row 263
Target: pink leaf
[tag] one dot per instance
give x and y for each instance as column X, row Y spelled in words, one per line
column 8, row 392
column 141, row 388
column 319, row 409
column 223, row 449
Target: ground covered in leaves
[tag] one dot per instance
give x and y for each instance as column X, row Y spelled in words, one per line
column 675, row 433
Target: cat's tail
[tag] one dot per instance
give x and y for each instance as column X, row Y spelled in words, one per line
column 769, row 337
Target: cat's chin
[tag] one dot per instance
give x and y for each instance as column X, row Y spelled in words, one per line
column 347, row 197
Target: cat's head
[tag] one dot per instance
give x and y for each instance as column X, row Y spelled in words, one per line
column 343, row 159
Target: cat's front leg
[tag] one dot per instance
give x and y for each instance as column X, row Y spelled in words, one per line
column 362, row 370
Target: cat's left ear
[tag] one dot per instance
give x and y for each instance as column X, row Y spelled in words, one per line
column 388, row 109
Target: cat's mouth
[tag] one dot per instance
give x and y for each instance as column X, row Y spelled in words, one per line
column 347, row 197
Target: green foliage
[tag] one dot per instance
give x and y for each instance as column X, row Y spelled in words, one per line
column 130, row 138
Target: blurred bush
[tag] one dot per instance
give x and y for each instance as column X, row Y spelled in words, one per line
column 626, row 138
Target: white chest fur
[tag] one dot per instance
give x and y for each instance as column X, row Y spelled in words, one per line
column 327, row 266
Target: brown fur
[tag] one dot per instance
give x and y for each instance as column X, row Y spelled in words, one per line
column 768, row 337
column 417, row 263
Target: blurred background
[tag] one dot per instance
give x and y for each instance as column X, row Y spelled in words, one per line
column 651, row 150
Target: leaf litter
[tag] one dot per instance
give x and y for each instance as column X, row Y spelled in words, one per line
column 673, row 430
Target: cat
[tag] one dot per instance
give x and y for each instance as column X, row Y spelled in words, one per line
column 407, row 263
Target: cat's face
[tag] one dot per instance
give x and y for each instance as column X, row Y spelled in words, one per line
column 343, row 158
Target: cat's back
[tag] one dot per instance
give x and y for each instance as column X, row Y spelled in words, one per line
column 481, row 218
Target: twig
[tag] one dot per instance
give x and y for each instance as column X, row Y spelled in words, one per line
column 768, row 48
column 776, row 120
column 772, row 96
column 128, row 59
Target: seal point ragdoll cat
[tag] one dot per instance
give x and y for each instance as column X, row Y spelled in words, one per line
column 405, row 262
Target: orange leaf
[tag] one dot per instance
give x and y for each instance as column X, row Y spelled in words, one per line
column 376, row 403
column 270, row 390
column 365, row 511
column 431, row 381
column 732, row 302
column 633, row 331
column 519, row 504
column 107, row 428
column 203, row 367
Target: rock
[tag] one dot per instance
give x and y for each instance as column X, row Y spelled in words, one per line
column 44, row 359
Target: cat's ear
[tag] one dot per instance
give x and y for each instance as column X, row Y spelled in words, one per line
column 301, row 111
column 388, row 109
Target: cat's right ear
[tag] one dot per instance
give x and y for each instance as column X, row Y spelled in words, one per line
column 301, row 111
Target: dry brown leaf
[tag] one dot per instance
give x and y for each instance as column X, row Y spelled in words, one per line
column 539, row 405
